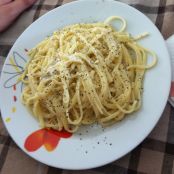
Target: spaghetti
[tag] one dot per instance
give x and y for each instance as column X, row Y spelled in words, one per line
column 86, row 73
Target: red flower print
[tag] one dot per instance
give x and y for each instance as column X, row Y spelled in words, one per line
column 47, row 137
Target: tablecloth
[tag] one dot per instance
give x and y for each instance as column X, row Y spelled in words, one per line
column 153, row 156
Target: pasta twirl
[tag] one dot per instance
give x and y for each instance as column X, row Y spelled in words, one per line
column 86, row 73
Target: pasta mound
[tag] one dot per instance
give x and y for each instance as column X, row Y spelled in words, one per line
column 85, row 73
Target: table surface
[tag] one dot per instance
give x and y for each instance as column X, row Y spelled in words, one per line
column 153, row 156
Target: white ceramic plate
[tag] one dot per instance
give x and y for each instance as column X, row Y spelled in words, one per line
column 92, row 146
